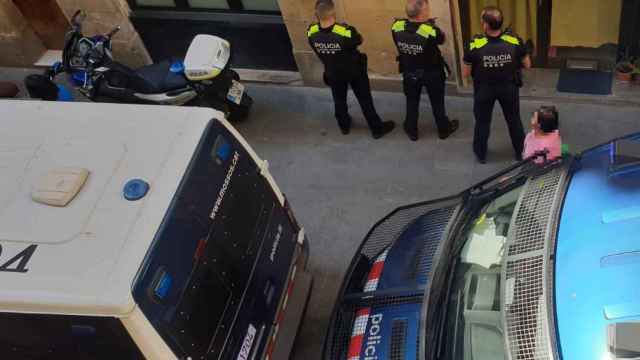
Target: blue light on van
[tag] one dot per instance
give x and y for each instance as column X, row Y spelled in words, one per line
column 221, row 149
column 224, row 151
column 135, row 189
column 163, row 286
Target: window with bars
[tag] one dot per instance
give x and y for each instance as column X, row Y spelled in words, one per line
column 261, row 6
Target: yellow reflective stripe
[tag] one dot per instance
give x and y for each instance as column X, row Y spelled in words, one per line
column 313, row 29
column 342, row 31
column 426, row 31
column 399, row 25
column 478, row 43
column 510, row 39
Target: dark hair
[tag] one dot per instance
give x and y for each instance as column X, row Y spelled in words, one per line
column 414, row 7
column 548, row 119
column 324, row 9
column 492, row 16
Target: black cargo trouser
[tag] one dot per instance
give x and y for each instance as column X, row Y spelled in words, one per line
column 484, row 98
column 434, row 82
column 359, row 82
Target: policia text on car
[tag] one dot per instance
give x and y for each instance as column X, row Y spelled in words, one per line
column 495, row 60
column 422, row 65
column 337, row 47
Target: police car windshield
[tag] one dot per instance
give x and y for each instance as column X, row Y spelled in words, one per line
column 472, row 326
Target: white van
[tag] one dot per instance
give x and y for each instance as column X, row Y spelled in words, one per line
column 132, row 232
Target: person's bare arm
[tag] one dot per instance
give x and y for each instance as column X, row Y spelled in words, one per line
column 466, row 70
column 526, row 62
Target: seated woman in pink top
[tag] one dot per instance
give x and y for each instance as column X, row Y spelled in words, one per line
column 544, row 134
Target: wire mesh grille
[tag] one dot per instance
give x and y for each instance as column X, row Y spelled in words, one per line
column 345, row 317
column 534, row 213
column 430, row 227
column 525, row 277
column 428, row 221
column 523, row 323
column 398, row 339
column 387, row 231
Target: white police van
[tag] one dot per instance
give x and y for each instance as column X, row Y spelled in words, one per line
column 131, row 232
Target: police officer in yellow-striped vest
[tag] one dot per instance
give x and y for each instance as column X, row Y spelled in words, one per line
column 422, row 66
column 337, row 47
column 495, row 60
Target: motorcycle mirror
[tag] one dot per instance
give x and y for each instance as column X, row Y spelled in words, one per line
column 78, row 17
column 114, row 31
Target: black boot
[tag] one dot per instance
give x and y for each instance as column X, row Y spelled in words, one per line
column 453, row 126
column 386, row 128
column 413, row 136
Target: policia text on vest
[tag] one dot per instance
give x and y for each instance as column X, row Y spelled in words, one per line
column 422, row 65
column 495, row 62
column 337, row 47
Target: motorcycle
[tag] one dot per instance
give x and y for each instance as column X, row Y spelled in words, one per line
column 203, row 78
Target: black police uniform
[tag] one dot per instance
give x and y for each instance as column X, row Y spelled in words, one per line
column 337, row 48
column 422, row 65
column 496, row 65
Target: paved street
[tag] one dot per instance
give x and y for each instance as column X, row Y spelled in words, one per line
column 340, row 185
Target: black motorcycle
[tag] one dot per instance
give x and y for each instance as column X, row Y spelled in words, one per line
column 203, row 78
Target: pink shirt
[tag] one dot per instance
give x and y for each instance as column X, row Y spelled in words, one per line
column 551, row 142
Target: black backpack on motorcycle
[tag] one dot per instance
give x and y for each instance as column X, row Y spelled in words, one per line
column 41, row 87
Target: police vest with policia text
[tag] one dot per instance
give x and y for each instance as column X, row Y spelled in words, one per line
column 336, row 47
column 496, row 59
column 417, row 45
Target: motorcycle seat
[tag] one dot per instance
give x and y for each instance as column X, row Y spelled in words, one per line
column 159, row 78
column 150, row 79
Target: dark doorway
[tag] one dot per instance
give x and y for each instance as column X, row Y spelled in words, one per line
column 630, row 30
column 255, row 29
column 253, row 46
column 47, row 20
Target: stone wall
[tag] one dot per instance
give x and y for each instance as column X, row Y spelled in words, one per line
column 102, row 17
column 20, row 46
column 373, row 19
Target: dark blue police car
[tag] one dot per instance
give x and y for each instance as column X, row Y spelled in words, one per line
column 537, row 262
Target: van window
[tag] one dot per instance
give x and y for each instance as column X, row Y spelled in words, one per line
column 39, row 336
column 195, row 273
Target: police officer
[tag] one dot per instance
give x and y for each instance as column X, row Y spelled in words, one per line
column 495, row 60
column 337, row 47
column 421, row 64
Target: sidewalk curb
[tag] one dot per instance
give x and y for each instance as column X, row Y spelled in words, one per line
column 394, row 84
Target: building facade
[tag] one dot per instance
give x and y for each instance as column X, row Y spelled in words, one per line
column 27, row 34
column 28, row 28
column 373, row 19
column 271, row 34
